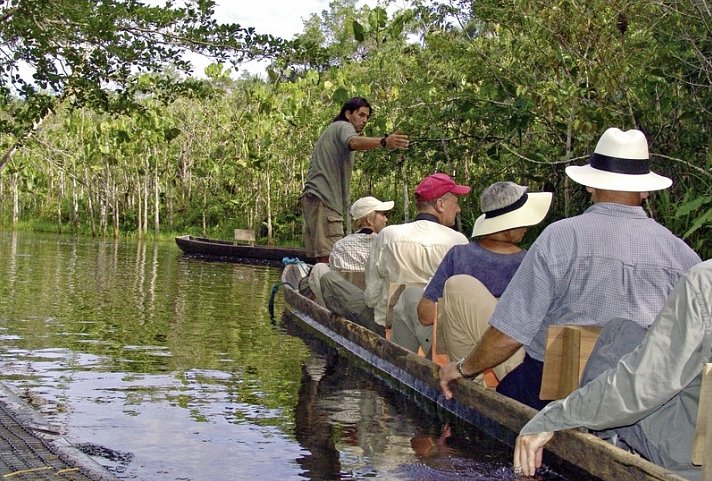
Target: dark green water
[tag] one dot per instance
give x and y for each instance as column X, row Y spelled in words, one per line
column 165, row 367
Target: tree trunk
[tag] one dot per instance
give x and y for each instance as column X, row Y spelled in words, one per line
column 156, row 202
column 75, row 201
column 270, row 240
column 116, row 215
column 14, row 180
column 169, row 206
column 60, row 194
column 90, row 202
column 146, row 190
column 205, row 207
column 139, row 207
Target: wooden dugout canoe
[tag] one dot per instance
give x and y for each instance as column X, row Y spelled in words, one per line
column 486, row 409
column 229, row 251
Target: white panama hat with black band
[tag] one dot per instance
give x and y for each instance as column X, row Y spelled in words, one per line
column 620, row 162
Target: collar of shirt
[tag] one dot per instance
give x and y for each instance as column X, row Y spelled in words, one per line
column 426, row 216
column 617, row 210
column 365, row 230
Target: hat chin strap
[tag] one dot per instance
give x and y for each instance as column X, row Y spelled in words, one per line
column 619, row 165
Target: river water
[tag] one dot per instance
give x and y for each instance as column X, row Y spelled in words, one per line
column 163, row 367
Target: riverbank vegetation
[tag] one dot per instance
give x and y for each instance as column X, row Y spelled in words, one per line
column 487, row 90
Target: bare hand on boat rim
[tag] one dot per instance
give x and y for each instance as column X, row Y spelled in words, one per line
column 528, row 451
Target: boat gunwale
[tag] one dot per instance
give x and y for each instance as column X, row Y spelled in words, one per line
column 580, row 449
column 225, row 250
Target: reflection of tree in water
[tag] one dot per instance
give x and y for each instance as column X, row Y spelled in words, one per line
column 349, row 423
column 353, row 426
column 312, row 426
column 336, row 408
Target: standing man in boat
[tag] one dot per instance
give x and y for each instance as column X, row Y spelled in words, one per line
column 649, row 398
column 612, row 261
column 327, row 188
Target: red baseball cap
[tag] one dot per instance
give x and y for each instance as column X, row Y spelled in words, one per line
column 437, row 185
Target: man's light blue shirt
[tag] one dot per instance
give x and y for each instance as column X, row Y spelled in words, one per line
column 611, row 261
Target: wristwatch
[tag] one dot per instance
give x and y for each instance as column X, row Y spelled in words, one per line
column 383, row 141
column 462, row 373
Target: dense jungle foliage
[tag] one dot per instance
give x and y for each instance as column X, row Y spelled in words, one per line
column 120, row 141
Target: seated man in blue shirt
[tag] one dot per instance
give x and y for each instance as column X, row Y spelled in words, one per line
column 648, row 391
column 612, row 261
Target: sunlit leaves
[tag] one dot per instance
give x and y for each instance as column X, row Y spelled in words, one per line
column 88, row 53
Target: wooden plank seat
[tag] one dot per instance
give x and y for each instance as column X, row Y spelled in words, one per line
column 567, row 350
column 245, row 236
column 357, row 278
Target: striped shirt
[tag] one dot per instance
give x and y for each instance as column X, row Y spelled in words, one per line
column 611, row 261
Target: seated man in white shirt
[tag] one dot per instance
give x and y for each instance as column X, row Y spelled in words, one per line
column 351, row 253
column 406, row 253
column 476, row 274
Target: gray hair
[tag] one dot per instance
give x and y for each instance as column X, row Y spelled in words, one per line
column 499, row 195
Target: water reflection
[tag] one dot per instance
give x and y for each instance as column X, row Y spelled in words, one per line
column 162, row 367
column 312, row 426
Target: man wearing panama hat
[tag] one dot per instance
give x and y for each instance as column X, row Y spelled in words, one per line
column 611, row 261
column 476, row 273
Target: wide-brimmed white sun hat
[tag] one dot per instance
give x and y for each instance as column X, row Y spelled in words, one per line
column 506, row 205
column 620, row 162
column 365, row 205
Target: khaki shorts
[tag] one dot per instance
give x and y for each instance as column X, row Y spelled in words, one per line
column 323, row 226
